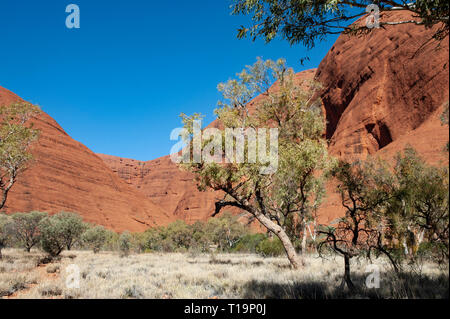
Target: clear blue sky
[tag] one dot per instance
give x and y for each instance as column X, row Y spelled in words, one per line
column 119, row 82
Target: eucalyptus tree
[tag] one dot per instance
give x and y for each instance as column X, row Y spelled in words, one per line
column 309, row 21
column 284, row 183
column 16, row 136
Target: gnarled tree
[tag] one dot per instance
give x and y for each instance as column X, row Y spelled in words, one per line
column 274, row 195
column 364, row 188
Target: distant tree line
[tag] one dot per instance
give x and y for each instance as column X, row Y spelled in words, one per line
column 65, row 231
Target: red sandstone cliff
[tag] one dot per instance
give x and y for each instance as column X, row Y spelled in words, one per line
column 380, row 93
column 66, row 175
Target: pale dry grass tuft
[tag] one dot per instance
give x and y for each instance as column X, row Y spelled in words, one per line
column 177, row 275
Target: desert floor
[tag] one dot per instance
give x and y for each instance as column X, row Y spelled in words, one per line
column 172, row 275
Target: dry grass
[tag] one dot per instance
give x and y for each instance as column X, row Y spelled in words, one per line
column 164, row 275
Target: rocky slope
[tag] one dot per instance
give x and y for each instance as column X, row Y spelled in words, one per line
column 174, row 189
column 383, row 86
column 380, row 93
column 67, row 176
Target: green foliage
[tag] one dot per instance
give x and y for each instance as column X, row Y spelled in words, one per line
column 5, row 231
column 270, row 247
column 125, row 243
column 26, row 228
column 421, row 203
column 225, row 231
column 400, row 211
column 53, row 240
column 289, row 195
column 72, row 227
column 307, row 21
column 95, row 237
column 16, row 137
column 249, row 243
column 178, row 234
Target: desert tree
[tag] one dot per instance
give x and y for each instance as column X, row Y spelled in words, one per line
column 72, row 227
column 225, row 231
column 287, row 180
column 124, row 243
column 178, row 234
column 6, row 232
column 16, row 136
column 26, row 228
column 95, row 237
column 419, row 211
column 309, row 21
column 54, row 238
column 364, row 188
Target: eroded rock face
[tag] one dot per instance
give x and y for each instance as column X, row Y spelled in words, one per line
column 379, row 87
column 172, row 188
column 381, row 92
column 165, row 183
column 66, row 176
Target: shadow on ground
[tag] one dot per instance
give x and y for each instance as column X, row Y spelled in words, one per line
column 400, row 286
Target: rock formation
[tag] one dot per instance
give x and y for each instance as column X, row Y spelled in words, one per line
column 66, row 176
column 381, row 92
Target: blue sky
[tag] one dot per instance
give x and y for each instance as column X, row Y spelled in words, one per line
column 119, row 82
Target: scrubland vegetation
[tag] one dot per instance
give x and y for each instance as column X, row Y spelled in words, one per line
column 206, row 275
column 217, row 259
column 396, row 217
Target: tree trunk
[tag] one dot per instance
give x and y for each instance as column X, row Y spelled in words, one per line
column 6, row 189
column 3, row 201
column 304, row 240
column 347, row 277
column 294, row 259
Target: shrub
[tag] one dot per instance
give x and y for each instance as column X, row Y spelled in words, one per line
column 125, row 243
column 225, row 231
column 26, row 228
column 95, row 238
column 179, row 233
column 270, row 247
column 50, row 290
column 53, row 240
column 5, row 231
column 249, row 243
column 72, row 227
column 53, row 269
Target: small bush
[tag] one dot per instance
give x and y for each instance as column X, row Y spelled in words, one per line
column 125, row 243
column 249, row 243
column 50, row 290
column 95, row 238
column 12, row 284
column 270, row 247
column 52, row 236
column 53, row 269
column 133, row 292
